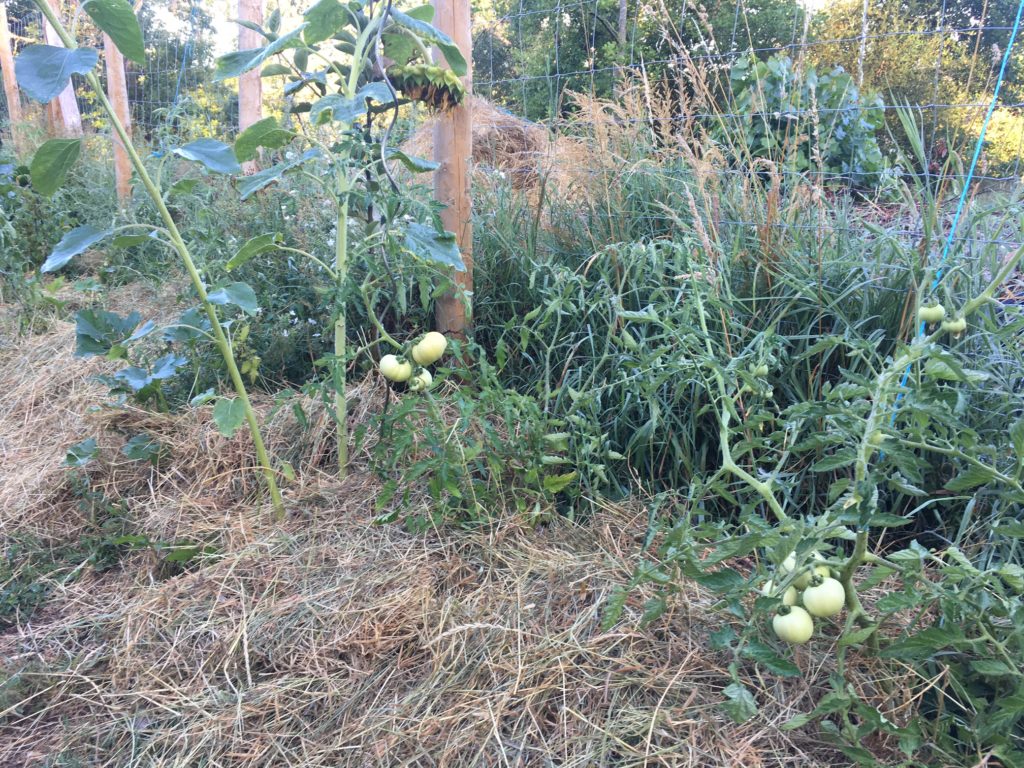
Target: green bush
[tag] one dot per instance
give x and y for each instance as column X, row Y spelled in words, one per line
column 805, row 122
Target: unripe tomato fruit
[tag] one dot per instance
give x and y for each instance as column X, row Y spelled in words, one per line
column 825, row 599
column 931, row 314
column 789, row 597
column 394, row 369
column 806, row 573
column 430, row 348
column 421, row 381
column 796, row 626
column 956, row 327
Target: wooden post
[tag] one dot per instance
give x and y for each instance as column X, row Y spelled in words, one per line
column 117, row 92
column 250, row 96
column 10, row 84
column 65, row 119
column 453, row 149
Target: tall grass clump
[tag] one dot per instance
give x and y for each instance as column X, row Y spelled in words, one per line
column 584, row 294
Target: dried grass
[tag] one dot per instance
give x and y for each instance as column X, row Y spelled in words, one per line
column 329, row 641
column 508, row 146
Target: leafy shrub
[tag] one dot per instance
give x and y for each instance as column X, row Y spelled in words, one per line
column 805, row 122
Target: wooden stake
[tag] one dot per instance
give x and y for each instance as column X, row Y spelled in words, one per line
column 250, row 95
column 65, row 119
column 10, row 84
column 453, row 140
column 117, row 92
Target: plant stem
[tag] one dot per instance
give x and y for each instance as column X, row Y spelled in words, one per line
column 220, row 338
column 341, row 273
column 763, row 489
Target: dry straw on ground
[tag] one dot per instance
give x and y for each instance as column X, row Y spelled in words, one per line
column 328, row 641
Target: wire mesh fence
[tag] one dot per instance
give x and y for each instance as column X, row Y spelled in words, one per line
column 172, row 94
column 825, row 68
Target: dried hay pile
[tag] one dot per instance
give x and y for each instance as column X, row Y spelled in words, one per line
column 328, row 641
column 508, row 146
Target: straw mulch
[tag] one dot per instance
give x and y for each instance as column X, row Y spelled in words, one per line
column 329, row 641
column 506, row 145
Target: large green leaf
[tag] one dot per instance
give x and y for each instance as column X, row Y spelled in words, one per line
column 117, row 19
column 137, row 378
column 259, row 180
column 82, row 453
column 73, row 243
column 229, row 415
column 323, row 20
column 239, row 294
column 193, row 324
column 43, row 71
column 452, row 54
column 98, row 332
column 215, row 155
column 239, row 62
column 266, row 133
column 400, row 46
column 970, row 477
column 413, row 163
column 441, row 247
column 337, row 107
column 253, row 247
column 51, row 163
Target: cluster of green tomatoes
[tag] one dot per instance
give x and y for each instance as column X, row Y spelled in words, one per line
column 935, row 314
column 426, row 351
column 815, row 592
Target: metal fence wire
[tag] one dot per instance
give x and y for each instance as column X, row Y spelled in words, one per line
column 172, row 94
column 814, row 87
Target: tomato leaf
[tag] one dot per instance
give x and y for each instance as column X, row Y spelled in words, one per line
column 740, row 703
column 767, row 656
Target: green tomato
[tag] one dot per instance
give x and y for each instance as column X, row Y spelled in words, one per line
column 430, row 348
column 761, row 370
column 421, row 381
column 826, row 598
column 931, row 314
column 789, row 597
column 394, row 369
column 956, row 327
column 794, row 626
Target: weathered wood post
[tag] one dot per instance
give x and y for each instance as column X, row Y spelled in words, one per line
column 11, row 92
column 250, row 94
column 117, row 92
column 65, row 119
column 453, row 140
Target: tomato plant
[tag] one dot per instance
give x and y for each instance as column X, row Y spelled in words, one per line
column 878, row 433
